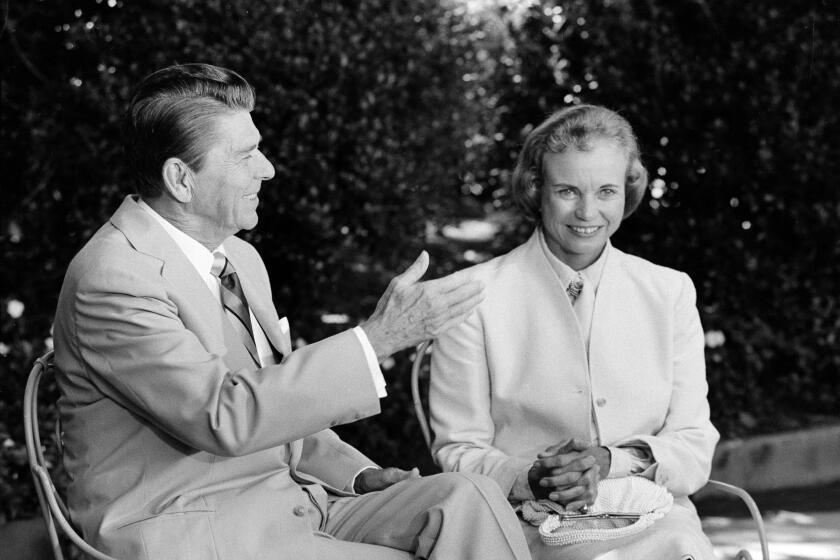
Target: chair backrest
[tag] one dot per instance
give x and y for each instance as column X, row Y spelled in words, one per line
column 416, row 395
column 53, row 509
column 417, row 371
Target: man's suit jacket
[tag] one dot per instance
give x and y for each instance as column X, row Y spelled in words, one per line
column 514, row 378
column 176, row 447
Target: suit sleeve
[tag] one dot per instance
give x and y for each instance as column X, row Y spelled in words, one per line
column 682, row 450
column 459, row 399
column 330, row 460
column 136, row 350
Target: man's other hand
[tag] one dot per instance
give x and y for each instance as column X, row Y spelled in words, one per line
column 411, row 311
column 371, row 480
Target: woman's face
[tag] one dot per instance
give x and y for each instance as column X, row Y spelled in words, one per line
column 582, row 201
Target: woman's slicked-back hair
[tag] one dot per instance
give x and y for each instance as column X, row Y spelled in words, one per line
column 576, row 127
column 171, row 114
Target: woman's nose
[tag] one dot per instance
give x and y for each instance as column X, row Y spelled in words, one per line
column 585, row 209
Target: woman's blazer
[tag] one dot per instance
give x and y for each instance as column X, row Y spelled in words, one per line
column 514, row 377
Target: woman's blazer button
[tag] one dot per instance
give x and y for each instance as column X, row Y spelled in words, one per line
column 601, row 402
column 300, row 511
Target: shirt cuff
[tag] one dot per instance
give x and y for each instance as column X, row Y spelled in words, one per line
column 521, row 489
column 373, row 364
column 626, row 461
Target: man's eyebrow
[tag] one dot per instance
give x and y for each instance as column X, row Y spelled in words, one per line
column 250, row 147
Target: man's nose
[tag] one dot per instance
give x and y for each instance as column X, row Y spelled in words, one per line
column 265, row 170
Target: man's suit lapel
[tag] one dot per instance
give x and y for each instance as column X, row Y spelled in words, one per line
column 259, row 301
column 201, row 313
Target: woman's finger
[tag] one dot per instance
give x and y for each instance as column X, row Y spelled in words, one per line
column 563, row 497
column 564, row 479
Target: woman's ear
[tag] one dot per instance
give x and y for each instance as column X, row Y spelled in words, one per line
column 534, row 182
column 178, row 179
column 534, row 192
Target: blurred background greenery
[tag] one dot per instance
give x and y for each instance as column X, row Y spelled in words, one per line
column 394, row 127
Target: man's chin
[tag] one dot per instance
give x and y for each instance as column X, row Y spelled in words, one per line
column 249, row 223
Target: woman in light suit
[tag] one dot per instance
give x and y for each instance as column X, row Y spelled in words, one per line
column 582, row 362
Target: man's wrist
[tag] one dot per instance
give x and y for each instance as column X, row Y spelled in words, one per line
column 360, row 483
column 376, row 341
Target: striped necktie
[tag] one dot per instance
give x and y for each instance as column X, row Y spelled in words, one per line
column 233, row 300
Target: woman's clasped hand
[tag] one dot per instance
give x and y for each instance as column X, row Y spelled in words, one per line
column 568, row 474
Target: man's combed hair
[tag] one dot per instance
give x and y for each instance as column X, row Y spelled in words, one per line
column 576, row 127
column 171, row 115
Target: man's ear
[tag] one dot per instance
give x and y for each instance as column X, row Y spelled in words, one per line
column 178, row 179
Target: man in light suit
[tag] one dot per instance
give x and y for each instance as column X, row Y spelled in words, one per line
column 192, row 430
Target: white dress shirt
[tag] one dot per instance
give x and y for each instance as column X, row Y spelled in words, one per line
column 202, row 260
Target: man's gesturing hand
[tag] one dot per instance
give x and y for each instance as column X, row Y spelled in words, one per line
column 411, row 311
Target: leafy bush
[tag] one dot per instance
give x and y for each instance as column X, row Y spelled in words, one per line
column 385, row 120
column 361, row 107
column 735, row 107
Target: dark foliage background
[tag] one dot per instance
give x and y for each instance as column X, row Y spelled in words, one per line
column 388, row 122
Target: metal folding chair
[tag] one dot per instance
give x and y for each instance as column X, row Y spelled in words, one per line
column 425, row 349
column 53, row 509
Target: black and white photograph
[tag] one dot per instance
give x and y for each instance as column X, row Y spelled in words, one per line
column 439, row 279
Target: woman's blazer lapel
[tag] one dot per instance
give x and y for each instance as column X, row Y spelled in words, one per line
column 534, row 329
column 544, row 292
column 607, row 306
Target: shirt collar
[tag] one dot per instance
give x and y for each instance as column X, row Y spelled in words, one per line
column 591, row 274
column 196, row 253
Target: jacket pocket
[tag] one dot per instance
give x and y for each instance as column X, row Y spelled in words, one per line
column 182, row 535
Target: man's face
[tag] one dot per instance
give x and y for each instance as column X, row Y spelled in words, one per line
column 225, row 191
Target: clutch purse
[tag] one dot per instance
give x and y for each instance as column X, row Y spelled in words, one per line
column 624, row 506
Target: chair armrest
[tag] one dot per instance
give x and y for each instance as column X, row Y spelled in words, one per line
column 751, row 506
